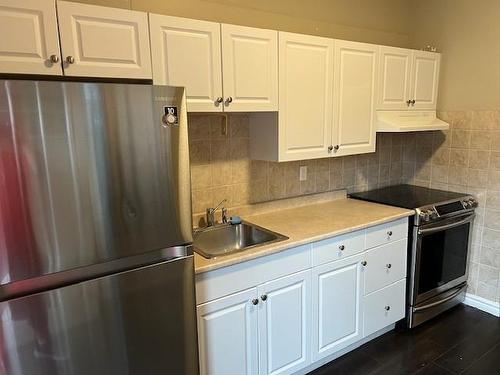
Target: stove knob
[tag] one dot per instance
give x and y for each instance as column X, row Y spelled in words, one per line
column 473, row 203
column 433, row 214
column 424, row 215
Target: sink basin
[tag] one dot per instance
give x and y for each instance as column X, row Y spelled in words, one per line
column 227, row 239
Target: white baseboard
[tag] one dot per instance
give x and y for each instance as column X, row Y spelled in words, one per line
column 483, row 304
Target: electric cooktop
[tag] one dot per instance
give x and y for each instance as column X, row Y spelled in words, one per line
column 407, row 196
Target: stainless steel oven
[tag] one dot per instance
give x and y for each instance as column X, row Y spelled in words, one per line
column 439, row 259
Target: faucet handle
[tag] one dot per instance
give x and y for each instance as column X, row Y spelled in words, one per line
column 224, row 215
column 220, row 204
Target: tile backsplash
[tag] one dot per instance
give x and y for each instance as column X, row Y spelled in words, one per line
column 465, row 158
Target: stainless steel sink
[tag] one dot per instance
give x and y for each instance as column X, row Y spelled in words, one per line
column 227, row 239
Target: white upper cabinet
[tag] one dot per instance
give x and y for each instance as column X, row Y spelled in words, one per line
column 425, row 79
column 408, row 79
column 187, row 53
column 103, row 42
column 284, row 324
column 394, row 78
column 355, row 88
column 250, row 68
column 306, row 102
column 29, row 42
column 227, row 335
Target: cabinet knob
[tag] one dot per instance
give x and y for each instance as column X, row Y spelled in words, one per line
column 330, row 148
column 229, row 100
column 408, row 102
column 413, row 102
column 70, row 60
column 219, row 100
column 389, row 233
column 54, row 59
column 389, row 265
column 387, row 308
column 255, row 301
column 336, row 148
column 341, row 247
column 364, row 263
column 263, row 297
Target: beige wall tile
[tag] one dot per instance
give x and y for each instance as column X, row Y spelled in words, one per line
column 441, row 156
column 459, row 157
column 460, row 138
column 439, row 174
column 495, row 160
column 199, row 152
column 479, row 159
column 480, row 140
column 201, row 176
column 477, row 178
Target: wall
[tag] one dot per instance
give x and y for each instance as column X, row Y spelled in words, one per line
column 382, row 22
column 466, row 33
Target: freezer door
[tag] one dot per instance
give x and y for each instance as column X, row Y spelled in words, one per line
column 136, row 322
column 89, row 173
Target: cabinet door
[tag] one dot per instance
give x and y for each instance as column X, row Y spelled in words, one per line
column 284, row 324
column 250, row 68
column 337, row 307
column 227, row 335
column 356, row 71
column 187, row 53
column 306, row 104
column 28, row 37
column 104, row 42
column 394, row 78
column 425, row 79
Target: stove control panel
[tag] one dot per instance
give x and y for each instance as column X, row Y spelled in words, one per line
column 469, row 203
column 428, row 214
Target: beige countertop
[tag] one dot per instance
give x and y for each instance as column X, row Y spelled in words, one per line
column 306, row 224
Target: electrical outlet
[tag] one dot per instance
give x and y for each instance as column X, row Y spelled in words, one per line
column 303, row 173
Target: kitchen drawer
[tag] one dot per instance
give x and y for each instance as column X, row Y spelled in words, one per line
column 386, row 233
column 338, row 247
column 384, row 307
column 385, row 265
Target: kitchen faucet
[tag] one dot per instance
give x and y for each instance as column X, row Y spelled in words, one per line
column 211, row 214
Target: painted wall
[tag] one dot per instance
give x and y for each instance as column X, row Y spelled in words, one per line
column 466, row 33
column 383, row 21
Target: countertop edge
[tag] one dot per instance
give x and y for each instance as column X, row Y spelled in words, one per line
column 278, row 247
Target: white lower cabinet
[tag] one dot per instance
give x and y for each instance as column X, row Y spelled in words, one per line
column 337, row 307
column 384, row 307
column 227, row 335
column 285, row 324
column 292, row 311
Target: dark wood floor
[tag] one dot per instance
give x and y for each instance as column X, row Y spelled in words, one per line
column 464, row 340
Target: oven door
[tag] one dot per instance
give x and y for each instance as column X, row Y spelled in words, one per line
column 440, row 253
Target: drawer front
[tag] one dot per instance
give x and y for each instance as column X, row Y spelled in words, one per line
column 385, row 265
column 384, row 307
column 337, row 248
column 386, row 233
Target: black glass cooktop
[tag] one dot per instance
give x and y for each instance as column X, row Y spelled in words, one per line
column 406, row 196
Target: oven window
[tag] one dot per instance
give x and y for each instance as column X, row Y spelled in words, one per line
column 443, row 257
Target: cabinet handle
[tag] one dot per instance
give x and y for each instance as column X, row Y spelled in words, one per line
column 341, row 247
column 389, row 233
column 219, row 100
column 229, row 100
column 255, row 301
column 70, row 60
column 263, row 297
column 389, row 265
column 54, row 59
column 387, row 308
column 364, row 263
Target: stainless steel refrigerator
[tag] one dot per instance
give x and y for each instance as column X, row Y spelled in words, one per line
column 96, row 267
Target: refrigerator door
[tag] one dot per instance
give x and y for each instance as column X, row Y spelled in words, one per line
column 89, row 173
column 136, row 322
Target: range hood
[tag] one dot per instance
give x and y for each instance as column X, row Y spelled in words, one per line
column 409, row 121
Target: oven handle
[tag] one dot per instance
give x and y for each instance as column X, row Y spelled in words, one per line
column 468, row 219
column 425, row 307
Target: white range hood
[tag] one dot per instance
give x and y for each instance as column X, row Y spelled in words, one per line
column 409, row 121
